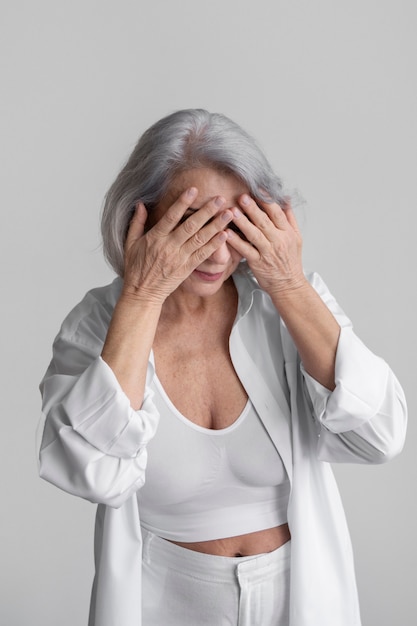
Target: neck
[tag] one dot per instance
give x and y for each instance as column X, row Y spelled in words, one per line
column 181, row 304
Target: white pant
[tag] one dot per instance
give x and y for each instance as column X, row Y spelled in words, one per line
column 186, row 588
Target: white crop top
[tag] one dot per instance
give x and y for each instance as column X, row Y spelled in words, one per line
column 204, row 484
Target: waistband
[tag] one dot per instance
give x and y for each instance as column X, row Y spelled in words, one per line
column 211, row 567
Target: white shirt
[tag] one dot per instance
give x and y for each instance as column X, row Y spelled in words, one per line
column 94, row 446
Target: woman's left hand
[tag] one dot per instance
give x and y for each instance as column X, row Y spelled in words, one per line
column 273, row 249
column 273, row 252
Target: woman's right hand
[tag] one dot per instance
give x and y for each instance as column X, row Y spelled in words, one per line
column 156, row 262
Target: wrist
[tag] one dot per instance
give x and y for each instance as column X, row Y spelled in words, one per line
column 141, row 297
column 290, row 288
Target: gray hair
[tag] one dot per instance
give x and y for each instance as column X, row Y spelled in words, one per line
column 181, row 141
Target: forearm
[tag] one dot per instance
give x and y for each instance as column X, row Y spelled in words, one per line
column 129, row 342
column 313, row 329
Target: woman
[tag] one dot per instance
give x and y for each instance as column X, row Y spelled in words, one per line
column 198, row 398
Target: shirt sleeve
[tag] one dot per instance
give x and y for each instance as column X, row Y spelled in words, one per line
column 93, row 444
column 364, row 418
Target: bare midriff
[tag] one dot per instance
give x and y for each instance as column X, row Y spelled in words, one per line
column 258, row 542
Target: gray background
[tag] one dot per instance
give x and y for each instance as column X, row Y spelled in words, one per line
column 329, row 89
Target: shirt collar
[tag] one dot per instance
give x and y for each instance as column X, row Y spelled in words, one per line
column 246, row 286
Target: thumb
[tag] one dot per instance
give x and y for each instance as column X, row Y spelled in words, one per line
column 137, row 224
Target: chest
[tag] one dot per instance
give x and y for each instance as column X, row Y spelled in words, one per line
column 195, row 369
column 187, row 463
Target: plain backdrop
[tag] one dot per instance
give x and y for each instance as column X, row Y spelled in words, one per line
column 329, row 89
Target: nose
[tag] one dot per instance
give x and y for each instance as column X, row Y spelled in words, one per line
column 221, row 255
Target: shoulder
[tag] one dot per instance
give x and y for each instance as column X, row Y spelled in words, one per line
column 83, row 331
column 89, row 319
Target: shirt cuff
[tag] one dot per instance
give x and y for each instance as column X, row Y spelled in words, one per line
column 361, row 379
column 99, row 410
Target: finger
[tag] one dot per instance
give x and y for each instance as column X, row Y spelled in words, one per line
column 202, row 224
column 253, row 226
column 170, row 220
column 290, row 215
column 257, row 216
column 242, row 246
column 198, row 230
column 265, row 216
column 137, row 224
column 272, row 209
column 202, row 253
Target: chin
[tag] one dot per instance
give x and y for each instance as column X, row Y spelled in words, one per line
column 201, row 287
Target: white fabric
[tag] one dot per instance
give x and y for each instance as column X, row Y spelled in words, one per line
column 186, row 588
column 94, row 446
column 199, row 485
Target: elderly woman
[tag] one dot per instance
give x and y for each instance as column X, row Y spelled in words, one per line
column 199, row 398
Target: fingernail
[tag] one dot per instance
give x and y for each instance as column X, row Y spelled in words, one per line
column 191, row 192
column 218, row 201
column 226, row 216
column 236, row 212
column 245, row 199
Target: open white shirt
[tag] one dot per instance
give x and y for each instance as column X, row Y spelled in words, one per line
column 94, row 445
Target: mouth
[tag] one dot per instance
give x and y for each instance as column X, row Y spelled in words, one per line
column 207, row 276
